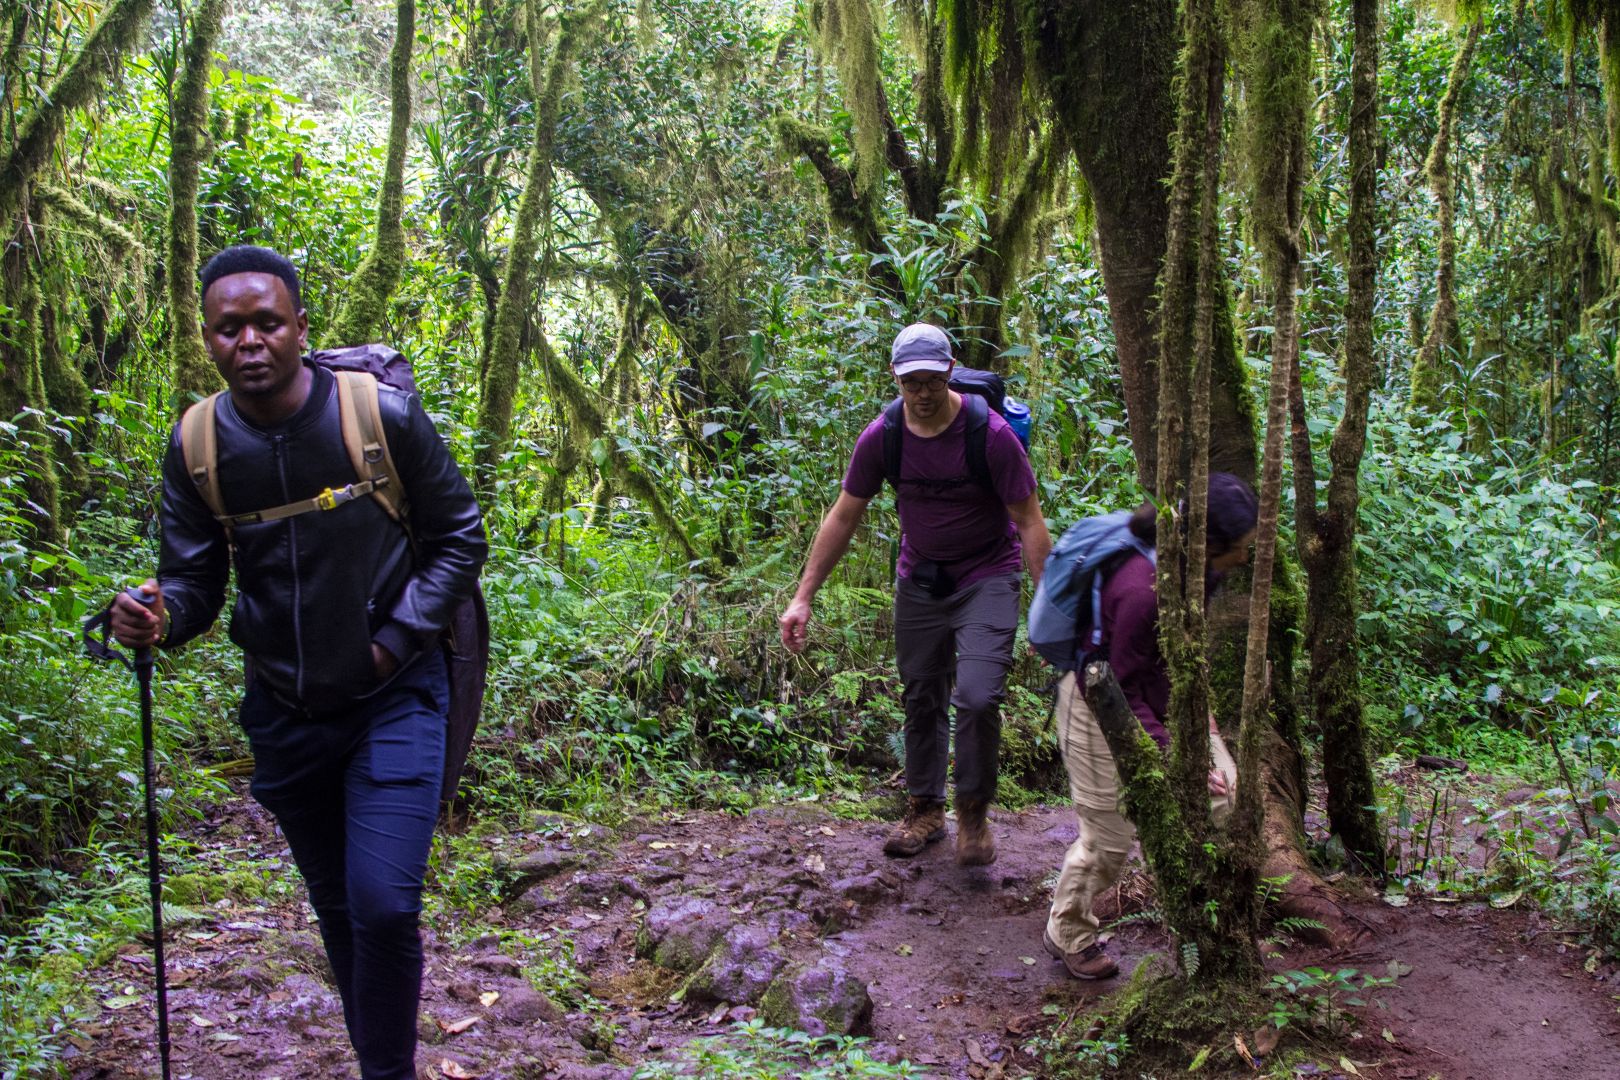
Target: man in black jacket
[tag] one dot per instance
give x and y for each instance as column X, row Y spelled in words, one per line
column 339, row 615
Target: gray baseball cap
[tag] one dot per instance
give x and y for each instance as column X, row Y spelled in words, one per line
column 920, row 347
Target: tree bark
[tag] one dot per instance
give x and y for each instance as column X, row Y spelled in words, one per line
column 194, row 373
column 364, row 314
column 1327, row 540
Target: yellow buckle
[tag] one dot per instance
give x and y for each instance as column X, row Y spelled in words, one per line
column 327, row 500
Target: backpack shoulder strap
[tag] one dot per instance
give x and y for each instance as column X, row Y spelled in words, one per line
column 978, row 428
column 894, row 427
column 367, row 443
column 199, row 447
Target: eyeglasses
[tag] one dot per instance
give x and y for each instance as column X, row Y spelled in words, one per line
column 917, row 386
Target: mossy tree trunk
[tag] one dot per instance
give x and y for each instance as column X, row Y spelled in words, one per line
column 364, row 313
column 504, row 359
column 1442, row 335
column 1327, row 538
column 194, row 373
column 1106, row 68
column 1275, row 60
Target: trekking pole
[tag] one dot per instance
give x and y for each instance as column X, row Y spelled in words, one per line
column 102, row 649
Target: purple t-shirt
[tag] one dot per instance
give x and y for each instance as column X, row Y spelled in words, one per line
column 945, row 516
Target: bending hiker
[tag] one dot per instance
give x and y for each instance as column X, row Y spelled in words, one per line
column 339, row 614
column 1130, row 644
column 968, row 508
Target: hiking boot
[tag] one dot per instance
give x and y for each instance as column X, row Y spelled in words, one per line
column 1090, row 962
column 974, row 844
column 923, row 824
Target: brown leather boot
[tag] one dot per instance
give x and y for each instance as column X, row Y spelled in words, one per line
column 974, row 844
column 1090, row 962
column 923, row 824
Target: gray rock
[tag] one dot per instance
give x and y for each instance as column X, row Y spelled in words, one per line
column 593, row 888
column 536, row 866
column 821, row 999
column 681, row 931
column 497, row 964
column 535, row 901
column 740, row 970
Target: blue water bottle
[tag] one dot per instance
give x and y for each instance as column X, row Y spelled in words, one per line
column 1017, row 416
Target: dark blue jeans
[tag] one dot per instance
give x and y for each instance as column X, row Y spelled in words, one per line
column 356, row 794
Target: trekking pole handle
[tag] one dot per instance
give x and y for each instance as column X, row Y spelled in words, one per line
column 146, row 600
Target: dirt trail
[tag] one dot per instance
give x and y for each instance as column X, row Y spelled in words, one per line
column 952, row 958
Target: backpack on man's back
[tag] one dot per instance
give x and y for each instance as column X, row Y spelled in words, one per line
column 360, row 370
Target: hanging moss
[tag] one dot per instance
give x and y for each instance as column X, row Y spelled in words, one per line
column 364, row 313
column 194, row 373
column 100, row 55
column 849, row 33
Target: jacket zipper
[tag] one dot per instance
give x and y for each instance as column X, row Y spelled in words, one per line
column 276, row 445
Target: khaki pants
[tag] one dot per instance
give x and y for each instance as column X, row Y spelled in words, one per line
column 1093, row 862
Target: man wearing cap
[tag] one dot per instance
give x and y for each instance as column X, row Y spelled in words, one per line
column 956, row 600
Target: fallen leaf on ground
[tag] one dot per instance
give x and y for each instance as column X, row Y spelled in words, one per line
column 1266, row 1039
column 1243, row 1051
column 815, row 864
column 489, row 997
column 1349, row 1066
column 1389, row 1037
column 454, row 1071
column 827, row 832
column 1028, row 961
column 456, row 1027
column 902, row 950
column 1398, row 969
column 660, row 845
column 201, row 1021
column 948, row 999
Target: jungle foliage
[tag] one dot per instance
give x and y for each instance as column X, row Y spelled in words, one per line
column 646, row 258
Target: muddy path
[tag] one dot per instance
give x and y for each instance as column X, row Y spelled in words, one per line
column 939, row 965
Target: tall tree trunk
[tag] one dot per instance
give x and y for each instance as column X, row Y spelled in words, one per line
column 364, row 313
column 1106, row 67
column 504, row 360
column 1327, row 540
column 22, row 391
column 1427, row 380
column 194, row 373
column 1277, row 73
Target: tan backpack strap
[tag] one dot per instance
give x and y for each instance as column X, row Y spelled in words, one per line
column 361, row 417
column 199, row 447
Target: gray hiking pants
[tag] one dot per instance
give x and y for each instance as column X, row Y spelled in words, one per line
column 967, row 638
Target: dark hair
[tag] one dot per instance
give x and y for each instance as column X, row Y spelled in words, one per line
column 247, row 259
column 1233, row 513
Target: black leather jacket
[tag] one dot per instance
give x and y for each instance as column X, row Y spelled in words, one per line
column 315, row 591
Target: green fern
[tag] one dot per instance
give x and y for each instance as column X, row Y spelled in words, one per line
column 1190, row 958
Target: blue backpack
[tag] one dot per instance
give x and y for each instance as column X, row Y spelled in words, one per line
column 1061, row 628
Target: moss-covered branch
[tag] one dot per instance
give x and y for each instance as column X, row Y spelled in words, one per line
column 585, row 413
column 100, row 55
column 194, row 373
column 365, row 305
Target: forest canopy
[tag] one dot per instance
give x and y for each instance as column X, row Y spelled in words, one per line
column 646, row 258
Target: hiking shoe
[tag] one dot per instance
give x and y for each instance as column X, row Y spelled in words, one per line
column 923, row 824
column 974, row 844
column 1090, row 962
